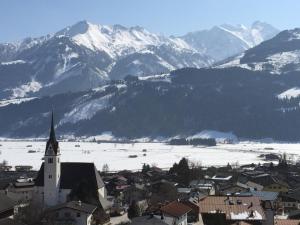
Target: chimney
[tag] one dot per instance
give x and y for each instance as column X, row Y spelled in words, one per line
column 251, row 215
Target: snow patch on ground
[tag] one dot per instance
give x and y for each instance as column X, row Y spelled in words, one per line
column 13, row 62
column 219, row 136
column 86, row 110
column 276, row 63
column 236, row 62
column 23, row 90
column 116, row 155
column 14, row 101
column 289, row 94
column 161, row 77
column 294, row 36
column 280, row 60
column 105, row 136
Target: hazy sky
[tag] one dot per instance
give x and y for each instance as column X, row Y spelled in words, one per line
column 22, row 18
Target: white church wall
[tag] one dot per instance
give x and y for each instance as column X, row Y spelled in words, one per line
column 51, row 178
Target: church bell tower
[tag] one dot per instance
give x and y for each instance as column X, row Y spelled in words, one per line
column 52, row 169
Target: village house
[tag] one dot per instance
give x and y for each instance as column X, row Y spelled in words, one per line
column 275, row 185
column 75, row 212
column 289, row 202
column 175, row 213
column 147, row 220
column 230, row 209
column 204, row 185
column 21, row 190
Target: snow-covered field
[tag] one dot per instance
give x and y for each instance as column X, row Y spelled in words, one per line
column 116, row 155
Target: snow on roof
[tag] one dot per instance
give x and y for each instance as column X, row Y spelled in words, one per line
column 218, row 177
column 234, row 207
column 246, row 216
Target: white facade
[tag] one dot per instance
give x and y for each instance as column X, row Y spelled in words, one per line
column 39, row 195
column 52, row 171
column 78, row 217
column 170, row 220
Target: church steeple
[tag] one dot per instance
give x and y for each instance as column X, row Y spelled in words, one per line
column 52, row 169
column 52, row 144
column 52, row 131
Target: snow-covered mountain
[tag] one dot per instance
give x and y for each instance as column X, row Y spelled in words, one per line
column 85, row 55
column 225, row 41
column 279, row 55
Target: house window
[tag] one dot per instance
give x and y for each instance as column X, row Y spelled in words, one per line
column 50, row 176
column 78, row 214
column 50, row 160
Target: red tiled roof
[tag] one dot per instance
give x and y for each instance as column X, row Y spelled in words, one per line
column 234, row 208
column 240, row 223
column 286, row 222
column 175, row 209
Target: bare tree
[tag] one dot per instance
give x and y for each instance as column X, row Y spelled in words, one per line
column 105, row 168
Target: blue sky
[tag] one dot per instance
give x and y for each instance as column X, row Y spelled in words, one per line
column 22, row 18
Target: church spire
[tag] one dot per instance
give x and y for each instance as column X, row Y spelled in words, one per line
column 52, row 131
column 52, row 144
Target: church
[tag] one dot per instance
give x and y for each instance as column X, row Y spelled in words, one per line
column 61, row 182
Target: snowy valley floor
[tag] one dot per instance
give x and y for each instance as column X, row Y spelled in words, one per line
column 116, row 155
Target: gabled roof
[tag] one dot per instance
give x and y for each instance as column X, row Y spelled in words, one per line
column 287, row 222
column 6, row 203
column 295, row 194
column 75, row 205
column 240, row 223
column 175, row 209
column 234, row 208
column 72, row 173
column 263, row 195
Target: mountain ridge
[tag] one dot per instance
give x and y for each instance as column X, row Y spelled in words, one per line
column 279, row 55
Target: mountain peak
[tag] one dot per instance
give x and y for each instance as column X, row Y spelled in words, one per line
column 78, row 28
column 234, row 27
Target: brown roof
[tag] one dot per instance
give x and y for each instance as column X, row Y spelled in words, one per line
column 240, row 223
column 234, row 208
column 286, row 222
column 175, row 209
column 75, row 205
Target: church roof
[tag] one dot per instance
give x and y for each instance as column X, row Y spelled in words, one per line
column 52, row 139
column 75, row 205
column 72, row 173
